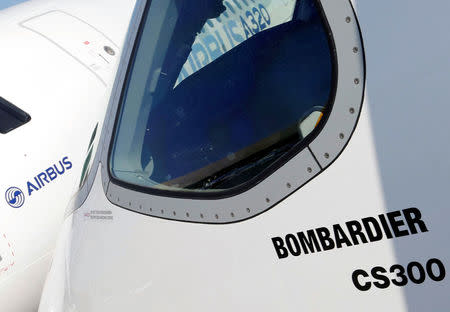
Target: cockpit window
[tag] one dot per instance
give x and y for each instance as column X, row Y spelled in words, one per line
column 220, row 90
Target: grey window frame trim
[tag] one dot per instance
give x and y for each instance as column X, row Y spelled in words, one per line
column 321, row 152
column 272, row 167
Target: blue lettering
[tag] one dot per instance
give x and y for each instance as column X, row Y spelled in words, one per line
column 247, row 30
column 253, row 21
column 237, row 4
column 212, row 45
column 51, row 173
column 62, row 168
column 37, row 182
column 200, row 55
column 229, row 7
column 42, row 176
column 191, row 61
column 256, row 12
column 220, row 41
column 67, row 162
column 264, row 13
column 227, row 32
column 236, row 36
column 31, row 187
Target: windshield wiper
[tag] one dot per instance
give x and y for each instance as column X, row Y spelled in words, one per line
column 237, row 174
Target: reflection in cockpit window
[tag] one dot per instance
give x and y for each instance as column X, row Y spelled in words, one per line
column 220, row 91
column 237, row 23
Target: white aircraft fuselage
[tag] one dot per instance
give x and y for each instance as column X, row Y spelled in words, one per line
column 356, row 220
column 55, row 68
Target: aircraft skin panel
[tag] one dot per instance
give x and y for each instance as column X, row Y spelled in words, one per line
column 391, row 180
column 232, row 258
column 411, row 145
column 80, row 40
column 31, row 149
column 42, row 159
column 22, row 290
column 242, row 253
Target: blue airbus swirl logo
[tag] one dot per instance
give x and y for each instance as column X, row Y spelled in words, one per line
column 15, row 197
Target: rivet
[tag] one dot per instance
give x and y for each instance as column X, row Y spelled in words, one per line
column 348, row 19
column 352, row 110
column 248, row 210
column 355, row 49
column 309, row 169
column 268, row 200
column 232, row 215
column 356, row 81
column 341, row 136
column 326, row 155
column 288, row 185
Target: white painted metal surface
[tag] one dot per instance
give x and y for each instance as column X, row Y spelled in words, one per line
column 41, row 75
column 112, row 259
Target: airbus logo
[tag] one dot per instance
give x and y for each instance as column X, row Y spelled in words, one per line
column 15, row 197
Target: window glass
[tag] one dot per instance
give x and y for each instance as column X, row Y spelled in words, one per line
column 219, row 90
column 240, row 21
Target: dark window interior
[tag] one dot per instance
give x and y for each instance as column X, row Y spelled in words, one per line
column 262, row 87
column 210, row 106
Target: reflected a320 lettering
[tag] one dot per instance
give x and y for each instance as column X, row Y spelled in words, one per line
column 219, row 37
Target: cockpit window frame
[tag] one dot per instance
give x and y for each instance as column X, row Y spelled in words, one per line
column 224, row 193
column 286, row 175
